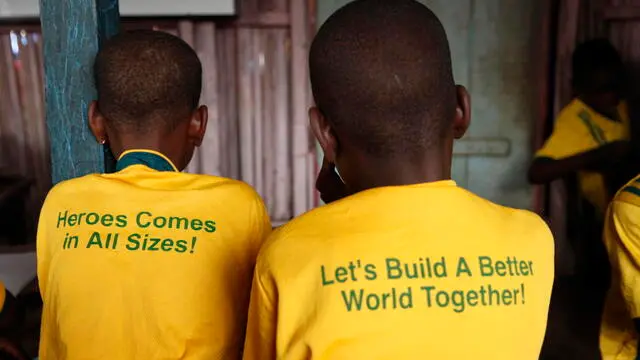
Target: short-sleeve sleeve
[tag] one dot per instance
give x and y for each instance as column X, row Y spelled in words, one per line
column 624, row 248
column 260, row 341
column 261, row 228
column 570, row 137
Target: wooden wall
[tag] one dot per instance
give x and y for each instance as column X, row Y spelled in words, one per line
column 256, row 86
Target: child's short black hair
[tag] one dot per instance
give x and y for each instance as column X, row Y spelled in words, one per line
column 593, row 57
column 381, row 74
column 147, row 79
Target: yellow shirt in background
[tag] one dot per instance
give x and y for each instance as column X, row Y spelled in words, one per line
column 618, row 337
column 147, row 263
column 3, row 295
column 579, row 129
column 426, row 271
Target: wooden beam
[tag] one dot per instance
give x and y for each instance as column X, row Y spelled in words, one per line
column 299, row 106
column 72, row 32
column 30, row 27
column 622, row 12
column 266, row 19
column 543, row 50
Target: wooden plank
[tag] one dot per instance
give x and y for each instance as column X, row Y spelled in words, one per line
column 312, row 19
column 7, row 27
column 270, row 141
column 73, row 30
column 271, row 19
column 231, row 118
column 257, row 63
column 222, row 90
column 621, row 13
column 32, row 123
column 245, row 106
column 205, row 45
column 248, row 8
column 12, row 131
column 542, row 51
column 281, row 5
column 299, row 105
column 28, row 108
column 265, row 19
column 312, row 173
column 37, row 128
column 282, row 120
column 38, row 76
column 185, row 31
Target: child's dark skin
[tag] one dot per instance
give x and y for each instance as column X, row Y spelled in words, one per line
column 361, row 172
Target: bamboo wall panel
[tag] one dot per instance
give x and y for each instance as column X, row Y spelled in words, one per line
column 255, row 87
column 301, row 146
column 24, row 141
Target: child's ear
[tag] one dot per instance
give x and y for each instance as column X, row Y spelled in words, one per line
column 324, row 134
column 97, row 123
column 463, row 112
column 198, row 125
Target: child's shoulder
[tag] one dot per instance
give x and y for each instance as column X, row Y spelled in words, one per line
column 215, row 180
column 93, row 183
column 305, row 226
column 630, row 193
column 572, row 111
column 525, row 229
column 624, row 209
column 510, row 217
column 240, row 189
column 75, row 185
column 529, row 222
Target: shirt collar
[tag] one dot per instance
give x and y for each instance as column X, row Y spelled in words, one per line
column 149, row 158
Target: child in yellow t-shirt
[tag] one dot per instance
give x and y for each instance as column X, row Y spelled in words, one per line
column 590, row 135
column 588, row 148
column 148, row 262
column 410, row 266
column 621, row 320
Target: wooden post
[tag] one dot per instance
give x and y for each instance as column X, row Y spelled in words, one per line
column 299, row 106
column 72, row 32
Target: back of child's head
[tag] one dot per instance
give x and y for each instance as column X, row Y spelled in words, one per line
column 147, row 80
column 597, row 68
column 381, row 75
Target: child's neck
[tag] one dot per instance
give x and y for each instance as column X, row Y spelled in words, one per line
column 167, row 148
column 398, row 173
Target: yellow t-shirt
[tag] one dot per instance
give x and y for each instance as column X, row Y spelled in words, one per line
column 426, row 271
column 579, row 129
column 147, row 263
column 618, row 337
